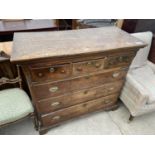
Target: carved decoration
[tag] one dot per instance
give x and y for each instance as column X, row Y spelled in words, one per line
column 5, row 80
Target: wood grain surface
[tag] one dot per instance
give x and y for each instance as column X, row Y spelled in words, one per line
column 66, row 100
column 36, row 45
column 77, row 110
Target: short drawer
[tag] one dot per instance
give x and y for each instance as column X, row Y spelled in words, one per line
column 77, row 110
column 56, row 103
column 53, row 89
column 86, row 67
column 118, row 60
column 50, row 73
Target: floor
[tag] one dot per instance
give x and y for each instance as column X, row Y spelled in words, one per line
column 100, row 123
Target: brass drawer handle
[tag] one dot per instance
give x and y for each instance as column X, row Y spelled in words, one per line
column 115, row 75
column 79, row 68
column 97, row 65
column 55, row 104
column 111, row 62
column 89, row 63
column 56, row 118
column 40, row 74
column 127, row 59
column 105, row 58
column 62, row 71
column 53, row 89
column 124, row 59
column 120, row 59
column 51, row 70
column 112, row 88
column 107, row 101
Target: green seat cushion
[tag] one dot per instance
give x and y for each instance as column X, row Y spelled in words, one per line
column 14, row 104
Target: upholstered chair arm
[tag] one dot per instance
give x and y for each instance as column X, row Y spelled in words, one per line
column 133, row 93
column 151, row 65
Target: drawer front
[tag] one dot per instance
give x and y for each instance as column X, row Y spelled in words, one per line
column 97, row 80
column 85, row 95
column 118, row 60
column 52, row 73
column 77, row 110
column 47, row 90
column 81, row 68
column 44, row 91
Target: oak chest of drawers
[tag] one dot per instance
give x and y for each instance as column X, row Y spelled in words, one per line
column 71, row 73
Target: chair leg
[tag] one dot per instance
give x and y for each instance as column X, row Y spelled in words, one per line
column 131, row 118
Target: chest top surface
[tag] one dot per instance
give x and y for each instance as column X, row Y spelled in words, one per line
column 38, row 45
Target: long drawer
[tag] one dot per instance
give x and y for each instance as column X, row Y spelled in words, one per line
column 77, row 110
column 56, row 103
column 47, row 90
